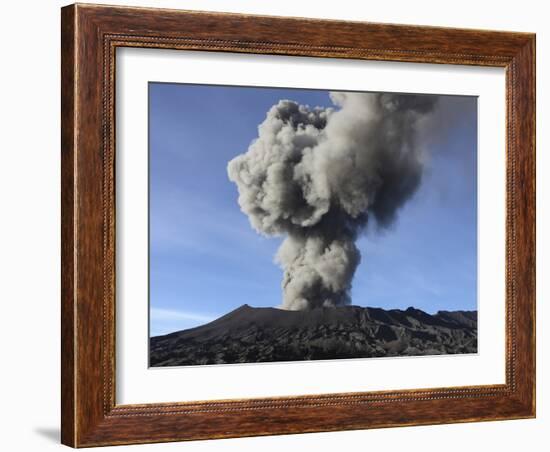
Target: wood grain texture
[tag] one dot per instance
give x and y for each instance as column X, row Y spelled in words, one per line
column 67, row 224
column 90, row 36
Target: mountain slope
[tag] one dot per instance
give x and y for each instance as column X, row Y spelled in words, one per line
column 250, row 334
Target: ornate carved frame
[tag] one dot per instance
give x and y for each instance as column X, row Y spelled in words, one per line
column 90, row 36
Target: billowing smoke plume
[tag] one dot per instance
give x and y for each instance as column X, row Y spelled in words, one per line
column 315, row 175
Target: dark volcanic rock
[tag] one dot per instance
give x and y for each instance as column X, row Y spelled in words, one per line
column 250, row 334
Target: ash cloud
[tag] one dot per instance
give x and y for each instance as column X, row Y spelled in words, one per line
column 317, row 175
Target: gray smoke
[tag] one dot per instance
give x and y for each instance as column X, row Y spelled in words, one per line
column 315, row 175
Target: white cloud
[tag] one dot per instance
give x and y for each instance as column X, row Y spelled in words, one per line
column 162, row 314
column 164, row 321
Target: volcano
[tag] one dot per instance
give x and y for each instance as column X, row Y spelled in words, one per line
column 250, row 335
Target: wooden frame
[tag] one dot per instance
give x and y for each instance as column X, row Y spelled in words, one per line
column 90, row 35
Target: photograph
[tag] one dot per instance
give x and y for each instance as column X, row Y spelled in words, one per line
column 293, row 224
column 277, row 221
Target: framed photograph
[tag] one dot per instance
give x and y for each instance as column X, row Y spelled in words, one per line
column 281, row 225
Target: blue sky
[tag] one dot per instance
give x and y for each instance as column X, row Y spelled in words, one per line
column 206, row 260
